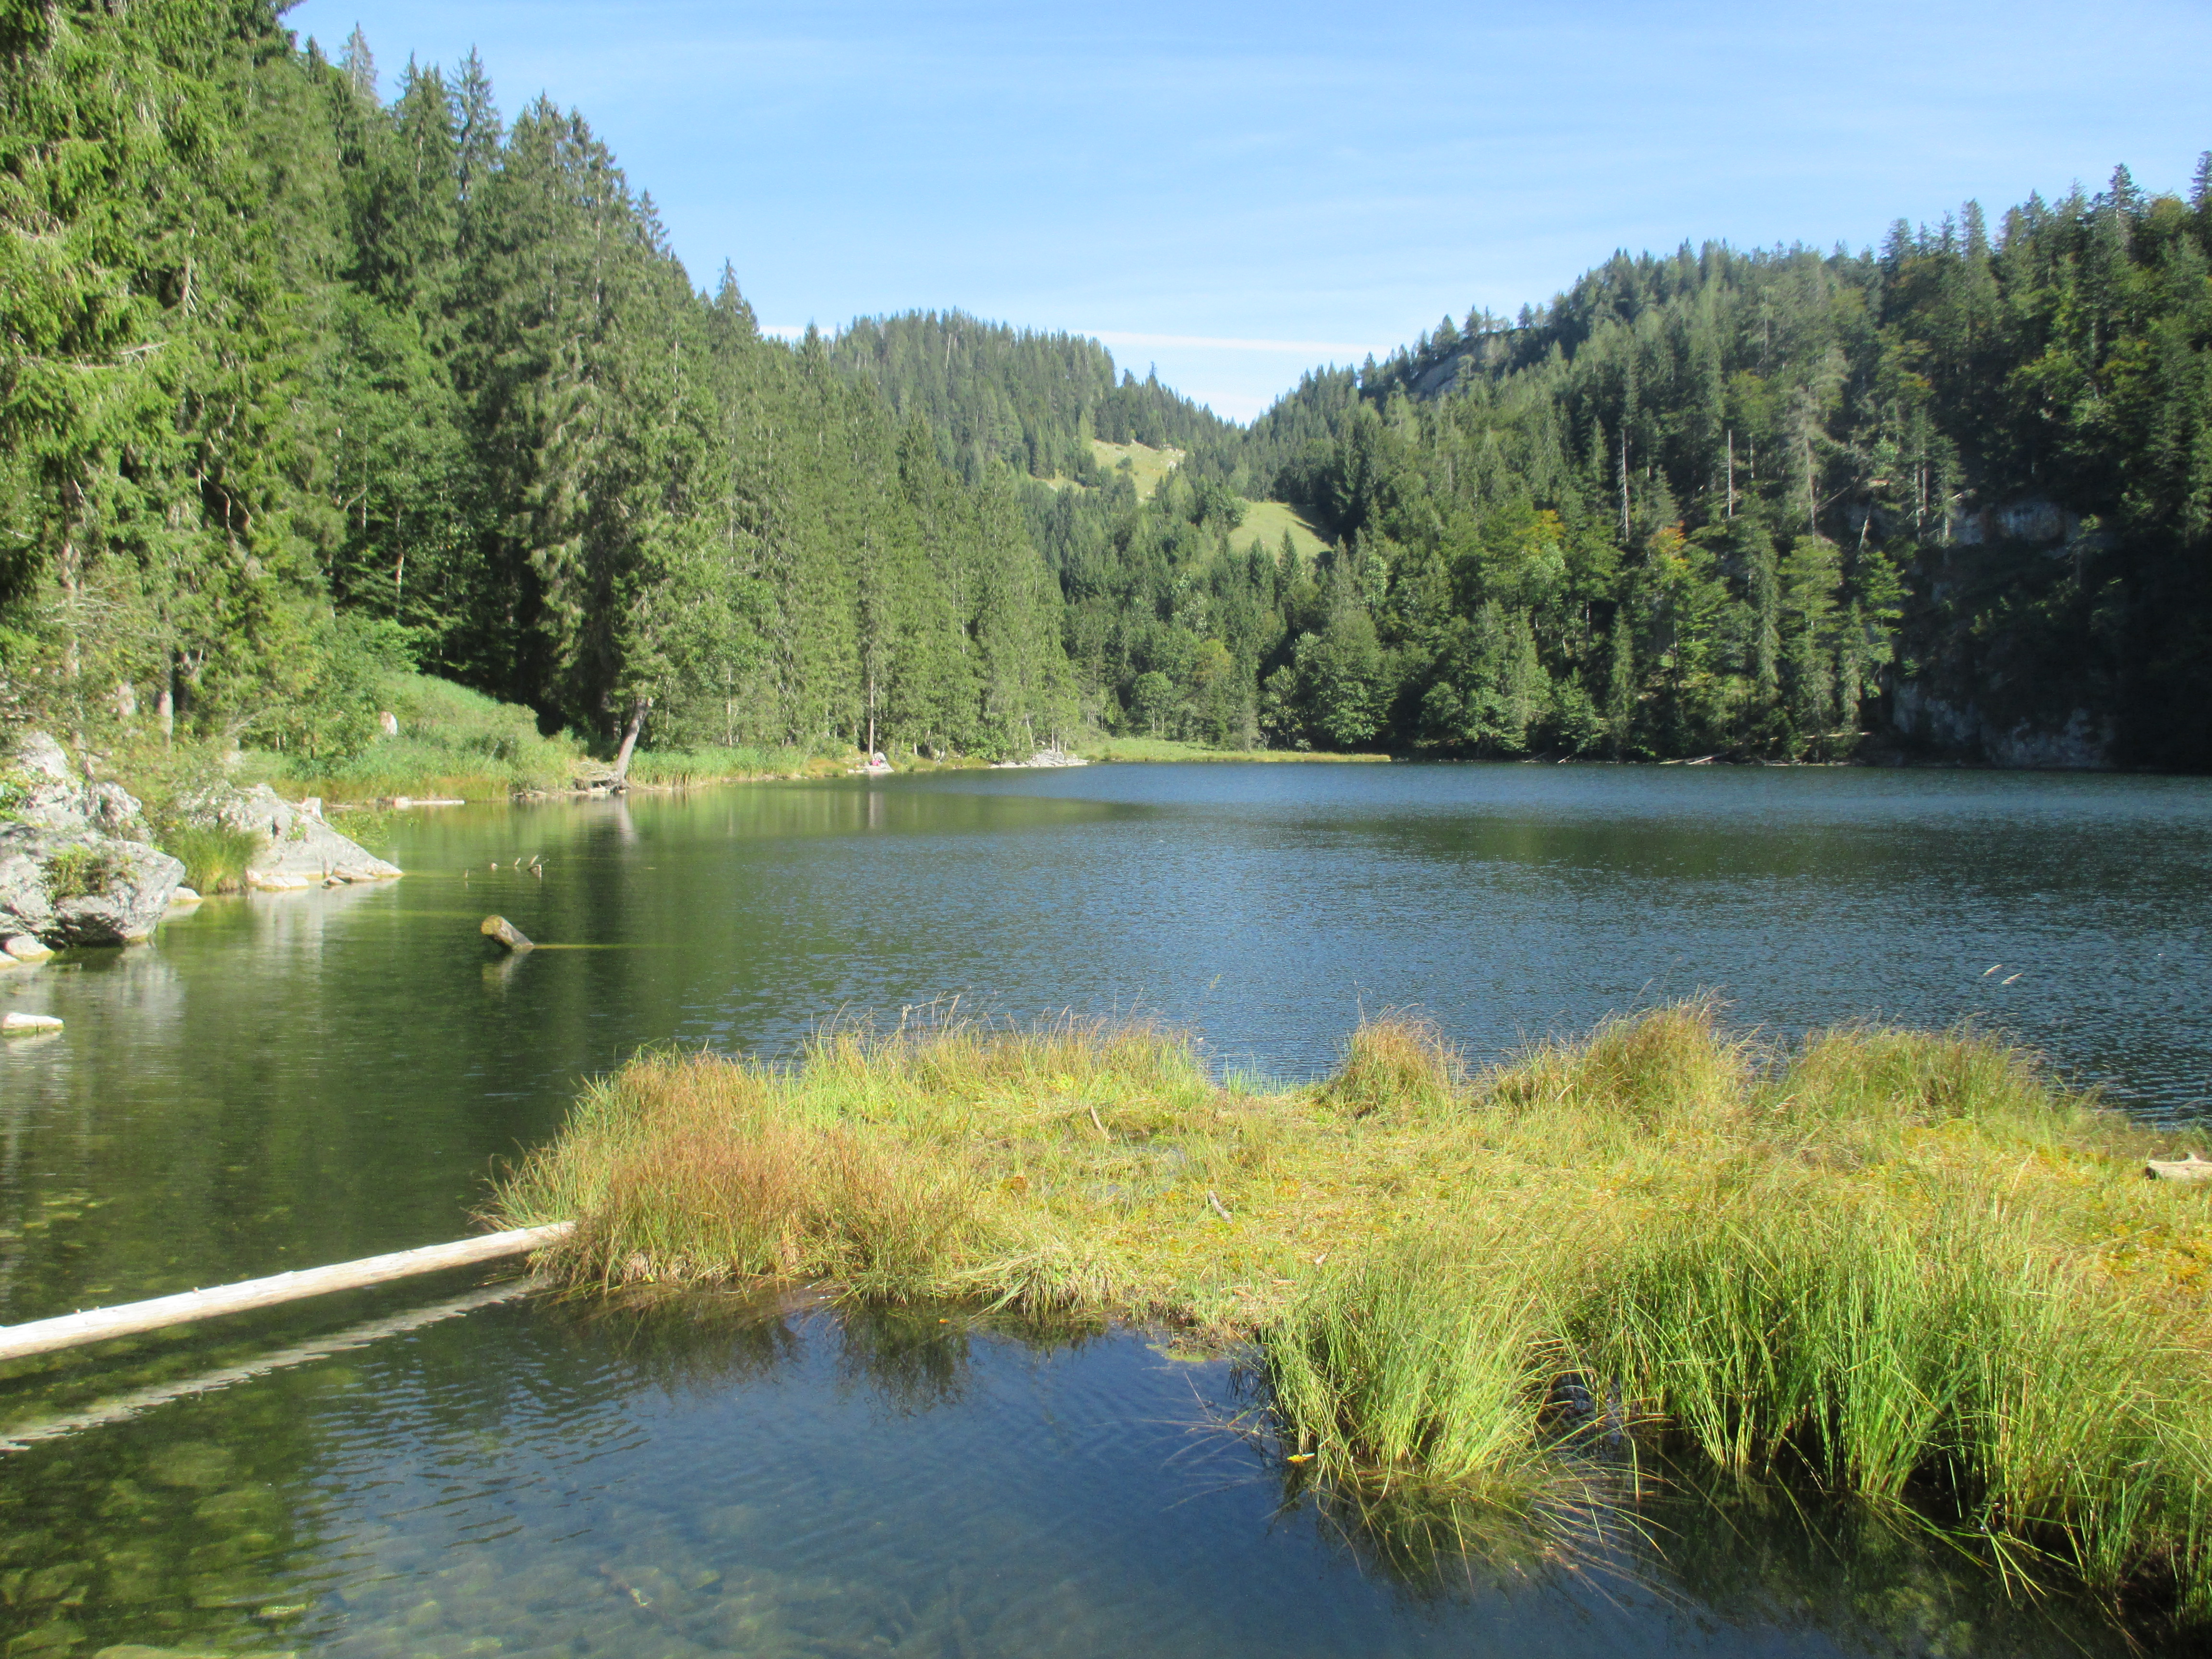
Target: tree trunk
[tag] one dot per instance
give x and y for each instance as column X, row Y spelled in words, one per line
column 630, row 732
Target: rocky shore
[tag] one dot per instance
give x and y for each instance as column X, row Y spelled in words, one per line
column 76, row 868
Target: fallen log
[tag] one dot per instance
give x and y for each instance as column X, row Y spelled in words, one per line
column 117, row 1408
column 2192, row 1168
column 100, row 1324
column 503, row 932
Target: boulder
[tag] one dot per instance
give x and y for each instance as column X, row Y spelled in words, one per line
column 111, row 891
column 67, row 876
column 303, row 851
column 23, row 947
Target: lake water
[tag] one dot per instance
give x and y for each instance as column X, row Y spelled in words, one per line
column 283, row 1081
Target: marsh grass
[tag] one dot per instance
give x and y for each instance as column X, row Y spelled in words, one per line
column 1908, row 1265
column 215, row 858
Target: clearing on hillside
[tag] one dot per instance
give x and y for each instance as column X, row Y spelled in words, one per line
column 1266, row 522
column 1149, row 466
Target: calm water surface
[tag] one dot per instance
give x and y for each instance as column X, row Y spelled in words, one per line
column 284, row 1081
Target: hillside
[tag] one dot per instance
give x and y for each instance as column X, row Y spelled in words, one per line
column 1034, row 402
column 1954, row 495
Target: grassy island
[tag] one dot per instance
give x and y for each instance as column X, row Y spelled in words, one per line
column 1909, row 1265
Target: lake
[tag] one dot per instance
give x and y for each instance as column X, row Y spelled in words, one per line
column 283, row 1081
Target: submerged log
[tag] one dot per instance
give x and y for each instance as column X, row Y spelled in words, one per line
column 2192, row 1168
column 100, row 1324
column 505, row 933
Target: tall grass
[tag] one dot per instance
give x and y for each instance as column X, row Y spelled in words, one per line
column 452, row 740
column 215, row 858
column 1906, row 1264
column 677, row 768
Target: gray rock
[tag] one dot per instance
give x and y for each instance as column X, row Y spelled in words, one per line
column 112, row 807
column 303, row 851
column 66, row 821
column 57, row 788
column 131, row 884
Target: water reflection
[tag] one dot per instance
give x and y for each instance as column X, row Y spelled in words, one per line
column 699, row 1474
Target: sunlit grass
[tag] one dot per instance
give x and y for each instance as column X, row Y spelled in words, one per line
column 1174, row 749
column 1908, row 1264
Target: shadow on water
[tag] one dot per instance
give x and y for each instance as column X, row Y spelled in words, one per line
column 700, row 1473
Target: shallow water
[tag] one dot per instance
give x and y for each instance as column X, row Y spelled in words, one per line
column 285, row 1081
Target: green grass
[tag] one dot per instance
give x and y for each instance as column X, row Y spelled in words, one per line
column 667, row 769
column 1171, row 748
column 1148, row 467
column 457, row 742
column 451, row 742
column 215, row 858
column 1265, row 522
column 1907, row 1265
column 78, row 872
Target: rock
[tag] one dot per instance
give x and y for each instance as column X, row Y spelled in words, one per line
column 182, row 897
column 126, row 886
column 23, row 947
column 303, row 851
column 12, row 1023
column 388, row 723
column 110, row 806
column 57, row 791
column 113, row 890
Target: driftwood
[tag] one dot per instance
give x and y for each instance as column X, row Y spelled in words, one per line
column 118, row 1408
column 2192, row 1168
column 100, row 1324
column 506, row 932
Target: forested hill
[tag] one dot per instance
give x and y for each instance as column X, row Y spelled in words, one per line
column 303, row 377
column 299, row 384
column 1954, row 493
column 1031, row 401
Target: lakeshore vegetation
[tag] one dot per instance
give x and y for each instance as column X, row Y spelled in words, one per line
column 1908, row 1265
column 311, row 379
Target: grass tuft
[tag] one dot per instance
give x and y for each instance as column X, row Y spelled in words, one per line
column 1909, row 1265
column 1397, row 1061
column 215, row 858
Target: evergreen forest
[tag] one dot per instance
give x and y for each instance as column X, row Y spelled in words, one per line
column 310, row 375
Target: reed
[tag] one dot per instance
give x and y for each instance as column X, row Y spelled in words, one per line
column 1907, row 1264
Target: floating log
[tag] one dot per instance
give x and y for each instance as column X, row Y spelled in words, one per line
column 2192, row 1168
column 505, row 933
column 47, row 1023
column 118, row 1408
column 100, row 1324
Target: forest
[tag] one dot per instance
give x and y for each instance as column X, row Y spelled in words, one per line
column 1951, row 497
column 302, row 385
column 307, row 379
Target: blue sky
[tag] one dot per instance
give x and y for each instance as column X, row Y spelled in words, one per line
column 1237, row 191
